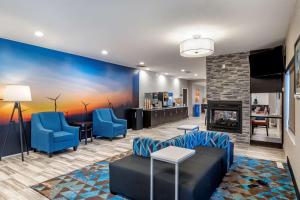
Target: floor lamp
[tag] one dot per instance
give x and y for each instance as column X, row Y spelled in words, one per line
column 17, row 94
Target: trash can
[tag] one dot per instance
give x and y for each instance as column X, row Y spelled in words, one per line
column 136, row 118
column 196, row 110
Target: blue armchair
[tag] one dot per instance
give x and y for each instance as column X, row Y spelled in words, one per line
column 106, row 124
column 50, row 132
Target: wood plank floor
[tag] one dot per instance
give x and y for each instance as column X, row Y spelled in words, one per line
column 16, row 177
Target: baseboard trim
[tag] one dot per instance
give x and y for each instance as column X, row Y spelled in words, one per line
column 293, row 178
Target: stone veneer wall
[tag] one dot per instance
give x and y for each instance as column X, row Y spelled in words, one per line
column 232, row 84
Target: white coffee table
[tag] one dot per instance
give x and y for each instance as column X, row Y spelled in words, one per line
column 188, row 128
column 173, row 155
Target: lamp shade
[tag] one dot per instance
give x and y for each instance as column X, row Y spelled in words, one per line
column 197, row 47
column 17, row 93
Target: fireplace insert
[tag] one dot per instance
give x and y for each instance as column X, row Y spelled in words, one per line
column 224, row 116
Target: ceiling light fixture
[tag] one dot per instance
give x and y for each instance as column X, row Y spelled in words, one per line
column 141, row 63
column 166, row 73
column 183, row 70
column 195, row 74
column 38, row 33
column 104, row 52
column 197, row 47
column 148, row 68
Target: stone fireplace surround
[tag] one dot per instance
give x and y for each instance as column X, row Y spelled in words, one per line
column 231, row 83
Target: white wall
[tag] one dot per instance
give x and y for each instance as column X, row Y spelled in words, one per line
column 262, row 98
column 270, row 99
column 154, row 82
column 292, row 142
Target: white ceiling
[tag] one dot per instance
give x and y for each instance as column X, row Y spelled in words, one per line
column 146, row 30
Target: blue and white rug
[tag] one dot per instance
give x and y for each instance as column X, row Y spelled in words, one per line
column 247, row 179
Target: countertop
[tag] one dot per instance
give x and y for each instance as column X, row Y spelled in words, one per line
column 165, row 108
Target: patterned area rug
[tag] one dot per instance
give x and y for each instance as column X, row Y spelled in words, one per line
column 255, row 179
column 90, row 182
column 247, row 179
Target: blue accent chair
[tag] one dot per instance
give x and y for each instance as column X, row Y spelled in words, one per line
column 106, row 124
column 50, row 132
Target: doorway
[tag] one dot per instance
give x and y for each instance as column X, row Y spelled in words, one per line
column 185, row 96
column 266, row 119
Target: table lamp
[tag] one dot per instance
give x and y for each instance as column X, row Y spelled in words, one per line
column 17, row 94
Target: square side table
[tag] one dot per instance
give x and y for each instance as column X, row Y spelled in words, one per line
column 173, row 155
column 85, row 128
column 188, row 128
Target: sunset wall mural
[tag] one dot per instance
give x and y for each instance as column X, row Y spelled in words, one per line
column 76, row 79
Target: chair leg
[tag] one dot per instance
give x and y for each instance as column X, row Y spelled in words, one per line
column 75, row 148
column 34, row 150
column 50, row 155
column 124, row 135
column 267, row 130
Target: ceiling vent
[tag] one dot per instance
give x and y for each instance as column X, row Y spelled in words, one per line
column 187, row 72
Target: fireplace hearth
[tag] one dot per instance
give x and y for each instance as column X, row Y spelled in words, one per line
column 224, row 116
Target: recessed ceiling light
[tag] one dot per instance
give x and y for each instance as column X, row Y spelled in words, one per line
column 223, row 66
column 104, row 52
column 142, row 63
column 38, row 33
column 195, row 74
column 183, row 70
column 147, row 68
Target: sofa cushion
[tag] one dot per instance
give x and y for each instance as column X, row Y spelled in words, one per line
column 184, row 141
column 143, row 146
column 118, row 127
column 216, row 140
column 190, row 140
column 105, row 114
column 62, row 136
column 212, row 139
column 51, row 121
column 177, row 141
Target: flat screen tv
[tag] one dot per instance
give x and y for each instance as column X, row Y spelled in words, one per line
column 267, row 62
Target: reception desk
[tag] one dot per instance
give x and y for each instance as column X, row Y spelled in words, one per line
column 154, row 117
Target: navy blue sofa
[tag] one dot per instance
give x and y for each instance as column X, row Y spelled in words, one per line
column 199, row 175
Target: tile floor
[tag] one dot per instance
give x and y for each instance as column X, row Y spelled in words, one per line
column 17, row 177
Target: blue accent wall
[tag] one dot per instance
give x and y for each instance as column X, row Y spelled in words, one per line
column 76, row 79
